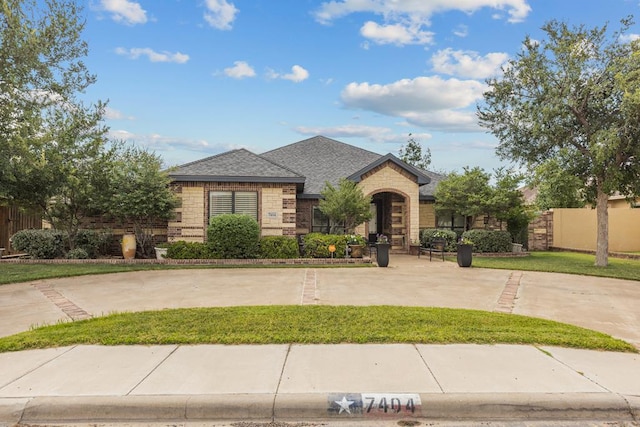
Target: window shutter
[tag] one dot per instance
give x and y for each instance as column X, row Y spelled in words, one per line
column 220, row 202
column 246, row 203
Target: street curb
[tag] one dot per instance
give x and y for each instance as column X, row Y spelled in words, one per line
column 449, row 406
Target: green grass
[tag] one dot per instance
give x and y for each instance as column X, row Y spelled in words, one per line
column 564, row 262
column 313, row 325
column 15, row 273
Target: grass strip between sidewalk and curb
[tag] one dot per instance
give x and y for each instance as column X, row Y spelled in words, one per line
column 313, row 325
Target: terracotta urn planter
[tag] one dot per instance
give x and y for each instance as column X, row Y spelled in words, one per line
column 129, row 246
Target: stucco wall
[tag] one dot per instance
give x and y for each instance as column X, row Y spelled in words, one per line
column 577, row 229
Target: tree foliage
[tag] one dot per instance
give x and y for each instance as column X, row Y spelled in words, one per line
column 413, row 154
column 138, row 192
column 556, row 187
column 45, row 129
column 471, row 194
column 345, row 204
column 575, row 98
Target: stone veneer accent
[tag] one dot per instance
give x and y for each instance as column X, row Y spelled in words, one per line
column 541, row 232
column 388, row 177
column 189, row 216
column 276, row 208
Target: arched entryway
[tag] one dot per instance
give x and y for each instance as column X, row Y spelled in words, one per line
column 390, row 211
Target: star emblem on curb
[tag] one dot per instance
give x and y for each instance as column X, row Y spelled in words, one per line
column 345, row 405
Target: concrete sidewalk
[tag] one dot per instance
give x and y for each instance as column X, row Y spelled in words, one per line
column 317, row 382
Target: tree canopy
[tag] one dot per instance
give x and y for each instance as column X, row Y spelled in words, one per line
column 472, row 194
column 413, row 154
column 45, row 129
column 575, row 98
column 345, row 204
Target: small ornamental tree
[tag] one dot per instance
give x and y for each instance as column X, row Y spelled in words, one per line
column 140, row 194
column 345, row 205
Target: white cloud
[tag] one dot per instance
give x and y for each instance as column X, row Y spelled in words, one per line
column 220, row 14
column 240, row 70
column 426, row 101
column 628, row 38
column 297, row 74
column 375, row 134
column 404, row 20
column 129, row 12
column 153, row 56
column 418, row 10
column 113, row 114
column 461, row 31
column 398, row 34
column 468, row 64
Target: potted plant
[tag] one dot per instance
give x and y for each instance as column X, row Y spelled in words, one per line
column 161, row 250
column 355, row 244
column 382, row 250
column 465, row 252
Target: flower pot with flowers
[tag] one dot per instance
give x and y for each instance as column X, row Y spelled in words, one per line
column 382, row 250
column 355, row 244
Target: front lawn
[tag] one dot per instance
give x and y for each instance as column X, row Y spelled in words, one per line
column 313, row 325
column 564, row 262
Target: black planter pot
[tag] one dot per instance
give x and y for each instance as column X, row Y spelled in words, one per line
column 382, row 254
column 465, row 255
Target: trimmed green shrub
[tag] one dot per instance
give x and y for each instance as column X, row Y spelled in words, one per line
column 489, row 240
column 278, row 247
column 93, row 242
column 428, row 234
column 40, row 244
column 316, row 245
column 189, row 250
column 77, row 253
column 234, row 236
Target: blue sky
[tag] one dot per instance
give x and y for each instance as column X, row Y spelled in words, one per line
column 192, row 78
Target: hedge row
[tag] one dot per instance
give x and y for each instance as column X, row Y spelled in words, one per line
column 483, row 240
column 489, row 241
column 49, row 244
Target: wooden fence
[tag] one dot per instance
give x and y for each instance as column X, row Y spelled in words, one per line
column 14, row 219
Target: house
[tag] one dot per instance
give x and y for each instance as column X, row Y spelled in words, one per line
column 281, row 190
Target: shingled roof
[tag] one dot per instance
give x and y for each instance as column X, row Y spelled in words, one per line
column 321, row 159
column 309, row 163
column 235, row 166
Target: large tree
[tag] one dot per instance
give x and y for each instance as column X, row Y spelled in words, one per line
column 573, row 97
column 43, row 121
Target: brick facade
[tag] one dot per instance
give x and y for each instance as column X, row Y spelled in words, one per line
column 276, row 208
column 405, row 207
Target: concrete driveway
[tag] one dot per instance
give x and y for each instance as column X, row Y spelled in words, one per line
column 606, row 305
